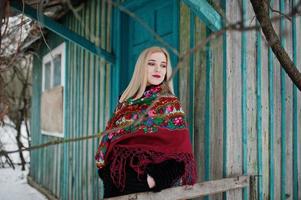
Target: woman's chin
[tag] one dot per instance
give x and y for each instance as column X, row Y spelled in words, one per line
column 154, row 83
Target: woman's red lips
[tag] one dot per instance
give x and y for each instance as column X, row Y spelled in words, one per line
column 157, row 76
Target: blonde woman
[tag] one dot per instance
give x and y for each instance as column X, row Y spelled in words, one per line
column 148, row 147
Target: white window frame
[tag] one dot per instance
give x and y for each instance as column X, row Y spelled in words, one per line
column 61, row 49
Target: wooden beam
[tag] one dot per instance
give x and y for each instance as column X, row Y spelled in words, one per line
column 206, row 13
column 63, row 31
column 197, row 190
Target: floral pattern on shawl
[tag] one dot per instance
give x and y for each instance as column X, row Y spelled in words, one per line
column 166, row 112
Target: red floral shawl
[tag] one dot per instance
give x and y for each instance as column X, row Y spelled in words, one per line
column 162, row 134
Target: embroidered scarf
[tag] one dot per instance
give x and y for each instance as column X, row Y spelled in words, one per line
column 162, row 134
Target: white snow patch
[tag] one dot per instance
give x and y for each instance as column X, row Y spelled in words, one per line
column 13, row 185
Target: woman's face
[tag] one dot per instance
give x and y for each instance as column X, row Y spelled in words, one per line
column 156, row 68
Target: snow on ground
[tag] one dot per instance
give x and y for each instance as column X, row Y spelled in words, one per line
column 13, row 183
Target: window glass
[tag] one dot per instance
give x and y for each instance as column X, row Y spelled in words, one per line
column 57, row 65
column 47, row 75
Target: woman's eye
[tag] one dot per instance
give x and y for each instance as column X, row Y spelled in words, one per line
column 151, row 64
column 163, row 66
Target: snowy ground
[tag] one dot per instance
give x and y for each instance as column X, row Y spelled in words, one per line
column 13, row 183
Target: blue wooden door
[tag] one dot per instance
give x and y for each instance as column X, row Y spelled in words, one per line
column 160, row 16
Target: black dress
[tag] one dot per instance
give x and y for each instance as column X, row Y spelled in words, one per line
column 165, row 174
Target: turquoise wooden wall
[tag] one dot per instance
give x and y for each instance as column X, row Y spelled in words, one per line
column 46, row 163
column 263, row 113
column 243, row 111
column 68, row 171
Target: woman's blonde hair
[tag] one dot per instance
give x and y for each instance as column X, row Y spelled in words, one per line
column 138, row 82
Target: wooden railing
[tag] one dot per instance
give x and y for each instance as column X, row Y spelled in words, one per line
column 197, row 190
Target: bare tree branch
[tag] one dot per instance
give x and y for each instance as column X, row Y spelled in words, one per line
column 238, row 26
column 261, row 9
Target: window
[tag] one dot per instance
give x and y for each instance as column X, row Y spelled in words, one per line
column 53, row 68
column 52, row 100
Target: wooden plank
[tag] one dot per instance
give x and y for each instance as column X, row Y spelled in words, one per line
column 184, row 46
column 295, row 106
column 288, row 150
column 107, row 66
column 91, row 111
column 271, row 121
column 63, row 173
column 199, row 107
column 234, row 101
column 259, row 112
column 265, row 119
column 197, row 190
column 93, row 114
column 60, row 177
column 55, row 167
column 207, row 110
column 78, row 94
column 244, row 79
column 81, row 150
column 216, row 138
column 283, row 141
column 284, row 108
column 252, row 100
column 98, row 101
column 46, row 165
column 190, row 113
column 70, row 149
column 225, row 104
column 72, row 119
column 298, row 109
column 271, row 129
column 102, row 78
column 85, row 115
column 75, row 83
column 103, row 45
column 65, row 169
column 96, row 122
column 277, row 118
column 289, row 111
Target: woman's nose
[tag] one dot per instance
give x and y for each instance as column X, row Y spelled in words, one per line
column 156, row 68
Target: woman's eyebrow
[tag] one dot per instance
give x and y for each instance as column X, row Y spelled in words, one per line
column 156, row 60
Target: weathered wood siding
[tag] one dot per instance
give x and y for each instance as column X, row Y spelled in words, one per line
column 258, row 86
column 243, row 111
column 68, row 171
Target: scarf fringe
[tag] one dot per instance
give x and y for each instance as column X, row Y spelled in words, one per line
column 138, row 159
